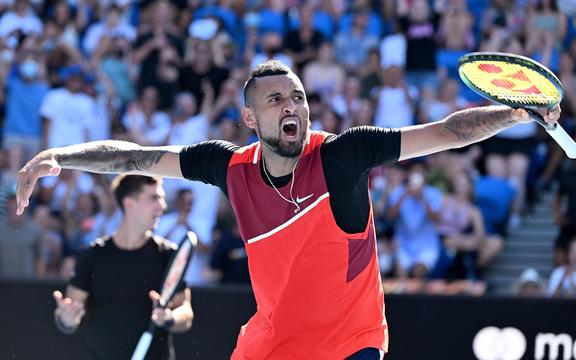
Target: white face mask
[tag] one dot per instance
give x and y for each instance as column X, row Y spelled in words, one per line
column 29, row 69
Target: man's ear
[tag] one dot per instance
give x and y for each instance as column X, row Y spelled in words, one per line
column 248, row 118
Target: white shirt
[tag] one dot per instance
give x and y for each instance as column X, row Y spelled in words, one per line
column 192, row 131
column 70, row 116
column 156, row 131
column 28, row 24
column 566, row 287
column 394, row 108
column 100, row 29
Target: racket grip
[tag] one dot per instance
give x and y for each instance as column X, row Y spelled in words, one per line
column 143, row 346
column 557, row 132
column 564, row 140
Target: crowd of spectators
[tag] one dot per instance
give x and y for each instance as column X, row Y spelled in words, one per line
column 171, row 72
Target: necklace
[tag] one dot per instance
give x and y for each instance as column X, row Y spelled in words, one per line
column 291, row 200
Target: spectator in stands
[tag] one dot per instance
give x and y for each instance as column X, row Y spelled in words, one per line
column 543, row 21
column 20, row 244
column 174, row 227
column 24, row 87
column 271, row 48
column 52, row 248
column 396, row 100
column 415, row 208
column 324, row 75
column 303, row 42
column 352, row 46
column 461, row 227
column 158, row 35
column 107, row 219
column 202, row 67
column 562, row 281
column 65, row 24
column 67, row 110
column 529, row 284
column 420, row 27
column 348, row 102
column 111, row 25
column 20, row 19
column 445, row 103
column 494, row 196
column 144, row 122
column 370, row 74
column 564, row 211
column 229, row 261
column 455, row 29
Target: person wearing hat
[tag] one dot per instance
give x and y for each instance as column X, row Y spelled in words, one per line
column 529, row 284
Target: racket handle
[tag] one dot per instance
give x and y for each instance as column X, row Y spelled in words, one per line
column 558, row 134
column 143, row 346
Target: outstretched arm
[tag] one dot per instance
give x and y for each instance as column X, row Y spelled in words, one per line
column 463, row 128
column 100, row 157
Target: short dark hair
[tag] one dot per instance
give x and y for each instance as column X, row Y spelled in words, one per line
column 131, row 185
column 268, row 68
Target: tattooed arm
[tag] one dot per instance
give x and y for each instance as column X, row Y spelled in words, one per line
column 464, row 128
column 100, row 157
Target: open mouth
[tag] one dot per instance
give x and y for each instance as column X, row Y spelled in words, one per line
column 290, row 127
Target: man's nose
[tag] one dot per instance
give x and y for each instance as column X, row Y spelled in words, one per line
column 289, row 106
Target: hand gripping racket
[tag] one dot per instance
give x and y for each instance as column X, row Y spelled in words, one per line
column 174, row 274
column 518, row 82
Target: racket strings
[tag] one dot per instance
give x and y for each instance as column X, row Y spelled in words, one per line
column 511, row 82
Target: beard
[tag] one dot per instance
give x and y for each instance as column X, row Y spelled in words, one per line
column 284, row 149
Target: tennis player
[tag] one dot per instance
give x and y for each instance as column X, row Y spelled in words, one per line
column 116, row 280
column 301, row 201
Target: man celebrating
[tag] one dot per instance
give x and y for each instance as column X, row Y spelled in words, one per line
column 302, row 204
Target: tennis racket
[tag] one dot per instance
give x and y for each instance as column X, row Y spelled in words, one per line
column 174, row 274
column 518, row 82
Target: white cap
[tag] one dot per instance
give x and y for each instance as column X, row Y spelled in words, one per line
column 529, row 276
column 203, row 29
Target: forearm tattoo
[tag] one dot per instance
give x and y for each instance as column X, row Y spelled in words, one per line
column 109, row 157
column 479, row 123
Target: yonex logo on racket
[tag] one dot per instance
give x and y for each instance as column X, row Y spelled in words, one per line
column 511, row 80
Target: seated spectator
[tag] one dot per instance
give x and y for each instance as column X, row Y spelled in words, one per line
column 107, row 219
column 564, row 211
column 414, row 207
column 494, row 196
column 529, row 284
column 461, row 227
column 562, row 281
column 370, row 75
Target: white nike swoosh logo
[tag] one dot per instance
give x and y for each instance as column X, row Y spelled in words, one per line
column 299, row 200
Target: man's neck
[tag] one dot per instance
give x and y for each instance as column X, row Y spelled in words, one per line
column 130, row 237
column 276, row 165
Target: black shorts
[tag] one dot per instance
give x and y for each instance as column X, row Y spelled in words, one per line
column 502, row 146
column 366, row 354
